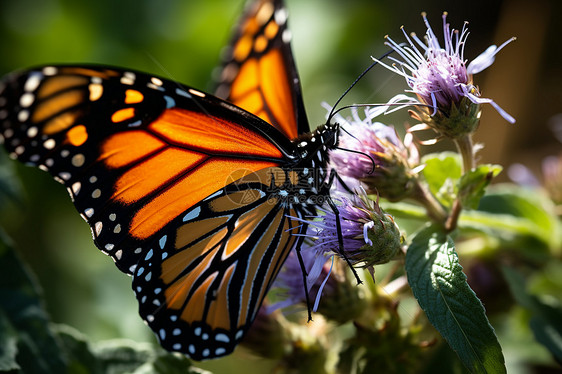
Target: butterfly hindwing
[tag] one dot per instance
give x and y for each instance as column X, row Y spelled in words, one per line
column 201, row 286
column 259, row 72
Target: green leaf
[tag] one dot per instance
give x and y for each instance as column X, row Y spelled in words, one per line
column 546, row 320
column 472, row 185
column 24, row 318
column 441, row 172
column 440, row 286
column 516, row 218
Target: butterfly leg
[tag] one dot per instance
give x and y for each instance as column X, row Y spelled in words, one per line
column 334, row 208
column 300, row 240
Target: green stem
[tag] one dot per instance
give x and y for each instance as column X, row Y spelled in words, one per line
column 466, row 150
column 453, row 218
column 434, row 209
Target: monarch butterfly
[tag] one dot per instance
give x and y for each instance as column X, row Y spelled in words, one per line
column 199, row 199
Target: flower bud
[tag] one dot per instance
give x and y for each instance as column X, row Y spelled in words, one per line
column 378, row 158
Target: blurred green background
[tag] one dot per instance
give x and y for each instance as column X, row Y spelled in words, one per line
column 181, row 40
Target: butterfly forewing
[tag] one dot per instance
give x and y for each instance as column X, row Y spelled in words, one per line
column 259, row 72
column 134, row 151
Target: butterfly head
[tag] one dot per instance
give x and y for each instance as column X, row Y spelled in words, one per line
column 329, row 134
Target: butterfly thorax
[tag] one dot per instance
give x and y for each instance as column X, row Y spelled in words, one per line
column 307, row 182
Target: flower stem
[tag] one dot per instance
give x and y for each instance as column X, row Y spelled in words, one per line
column 434, row 209
column 466, row 150
column 453, row 218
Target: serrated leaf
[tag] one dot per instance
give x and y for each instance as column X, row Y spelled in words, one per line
column 440, row 286
column 546, row 320
column 472, row 185
column 441, row 172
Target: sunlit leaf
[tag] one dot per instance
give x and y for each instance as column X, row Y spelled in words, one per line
column 440, row 286
column 441, row 172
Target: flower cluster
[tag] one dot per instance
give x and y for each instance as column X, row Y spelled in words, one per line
column 377, row 166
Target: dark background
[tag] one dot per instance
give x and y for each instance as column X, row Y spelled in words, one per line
column 182, row 40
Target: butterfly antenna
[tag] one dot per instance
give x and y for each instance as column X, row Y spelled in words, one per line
column 332, row 113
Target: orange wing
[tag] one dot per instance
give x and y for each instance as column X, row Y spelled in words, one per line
column 134, row 151
column 202, row 286
column 260, row 75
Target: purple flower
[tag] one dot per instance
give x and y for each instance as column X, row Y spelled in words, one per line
column 441, row 79
column 376, row 156
column 370, row 236
column 290, row 280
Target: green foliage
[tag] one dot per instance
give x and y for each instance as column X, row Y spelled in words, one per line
column 31, row 343
column 516, row 218
column 439, row 285
column 472, row 185
column 546, row 318
column 442, row 172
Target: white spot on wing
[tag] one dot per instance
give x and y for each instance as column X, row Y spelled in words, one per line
column 32, row 82
column 49, row 144
column 97, row 227
column 196, row 93
column 23, row 115
column 50, row 70
column 26, row 99
column 76, row 186
column 32, row 131
column 286, row 36
column 78, row 160
column 280, row 16
column 156, row 81
column 65, row 175
column 192, row 214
